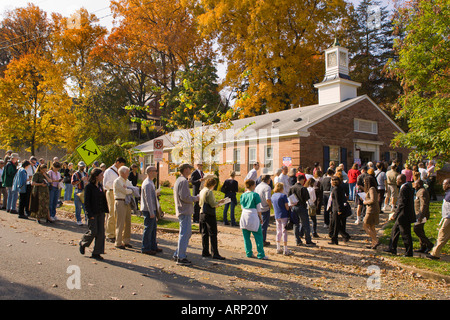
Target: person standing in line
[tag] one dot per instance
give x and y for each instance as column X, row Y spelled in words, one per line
column 353, row 174
column 253, row 173
column 431, row 170
column 408, row 173
column 337, row 222
column 55, row 177
column 422, row 208
column 79, row 181
column 9, row 172
column 312, row 209
column 392, row 188
column 134, row 177
column 111, row 174
column 318, row 190
column 423, row 172
column 404, row 215
column 372, row 217
column 360, row 209
column 281, row 209
column 277, row 175
column 284, row 179
column 325, row 189
column 122, row 209
column 196, row 180
column 380, row 176
column 40, row 198
column 301, row 210
column 251, row 220
column 3, row 191
column 20, row 185
column 96, row 208
column 293, row 176
column 444, row 231
column 149, row 208
column 68, row 187
column 230, row 188
column 264, row 191
column 184, row 209
column 208, row 221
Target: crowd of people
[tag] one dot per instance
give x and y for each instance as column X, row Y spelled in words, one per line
column 108, row 196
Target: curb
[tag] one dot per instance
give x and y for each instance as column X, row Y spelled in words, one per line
column 422, row 272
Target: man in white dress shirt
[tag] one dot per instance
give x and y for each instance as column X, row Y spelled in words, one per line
column 284, row 179
column 253, row 174
column 111, row 174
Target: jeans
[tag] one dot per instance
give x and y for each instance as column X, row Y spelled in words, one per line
column 351, row 190
column 184, row 236
column 304, row 227
column 265, row 217
column 149, row 235
column 230, row 205
column 54, row 195
column 12, row 199
column 68, row 192
column 78, row 206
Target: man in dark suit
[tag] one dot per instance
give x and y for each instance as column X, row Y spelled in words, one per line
column 196, row 181
column 404, row 215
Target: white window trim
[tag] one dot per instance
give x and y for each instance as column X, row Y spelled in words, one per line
column 356, row 120
column 266, row 159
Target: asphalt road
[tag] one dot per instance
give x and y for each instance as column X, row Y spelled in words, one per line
column 43, row 262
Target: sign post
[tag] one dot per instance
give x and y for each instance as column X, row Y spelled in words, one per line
column 158, row 146
column 88, row 151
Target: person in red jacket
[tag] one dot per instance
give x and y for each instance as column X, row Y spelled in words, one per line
column 353, row 174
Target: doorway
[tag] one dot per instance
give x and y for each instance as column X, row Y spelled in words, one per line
column 366, row 156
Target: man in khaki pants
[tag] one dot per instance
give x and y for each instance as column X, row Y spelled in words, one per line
column 122, row 210
column 444, row 232
column 111, row 174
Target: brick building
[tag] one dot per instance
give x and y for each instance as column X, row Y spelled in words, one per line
column 342, row 127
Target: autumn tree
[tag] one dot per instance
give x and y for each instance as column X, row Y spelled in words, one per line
column 149, row 44
column 98, row 103
column 35, row 109
column 274, row 49
column 23, row 31
column 423, row 70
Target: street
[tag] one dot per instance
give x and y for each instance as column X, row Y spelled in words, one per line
column 43, row 262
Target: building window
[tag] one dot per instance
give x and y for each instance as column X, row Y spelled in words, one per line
column 149, row 160
column 251, row 158
column 335, row 154
column 268, row 159
column 237, row 160
column 366, row 126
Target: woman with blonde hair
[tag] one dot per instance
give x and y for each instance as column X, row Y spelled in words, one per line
column 281, row 209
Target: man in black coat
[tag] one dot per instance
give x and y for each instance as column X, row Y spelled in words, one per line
column 196, row 181
column 404, row 215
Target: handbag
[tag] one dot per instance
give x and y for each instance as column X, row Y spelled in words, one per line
column 347, row 212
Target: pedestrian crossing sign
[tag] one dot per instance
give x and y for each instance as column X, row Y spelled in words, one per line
column 88, row 151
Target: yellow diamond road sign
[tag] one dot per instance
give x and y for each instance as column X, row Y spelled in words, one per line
column 88, row 151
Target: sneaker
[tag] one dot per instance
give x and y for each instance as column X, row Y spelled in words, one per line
column 287, row 252
column 80, row 223
column 279, row 251
column 265, row 258
column 357, row 221
column 325, row 225
column 82, row 249
column 183, row 262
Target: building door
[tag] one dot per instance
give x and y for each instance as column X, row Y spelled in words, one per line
column 367, row 156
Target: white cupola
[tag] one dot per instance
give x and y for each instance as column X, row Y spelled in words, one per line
column 337, row 85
